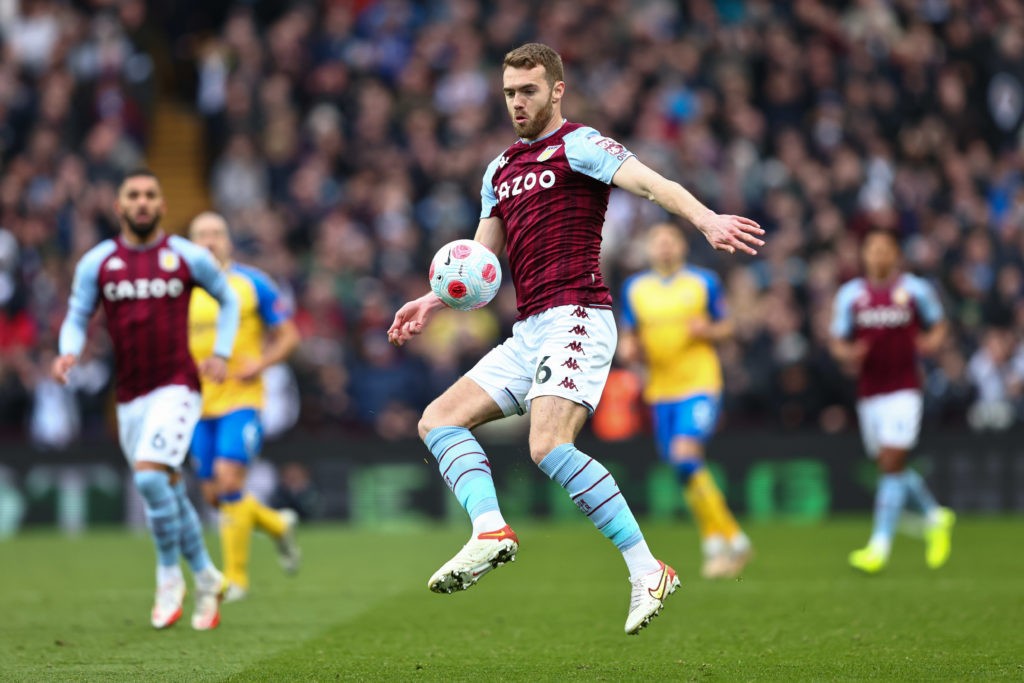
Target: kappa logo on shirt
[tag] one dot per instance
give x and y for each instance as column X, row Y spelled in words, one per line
column 116, row 263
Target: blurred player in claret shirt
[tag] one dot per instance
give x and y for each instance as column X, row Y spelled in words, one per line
column 881, row 324
column 143, row 279
column 544, row 200
column 672, row 317
column 229, row 434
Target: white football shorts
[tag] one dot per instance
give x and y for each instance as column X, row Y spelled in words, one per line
column 157, row 427
column 564, row 351
column 890, row 420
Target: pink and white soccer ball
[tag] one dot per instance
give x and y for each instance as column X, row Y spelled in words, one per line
column 465, row 275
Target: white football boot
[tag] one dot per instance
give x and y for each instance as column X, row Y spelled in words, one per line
column 648, row 597
column 210, row 587
column 718, row 566
column 234, row 593
column 480, row 555
column 288, row 554
column 167, row 605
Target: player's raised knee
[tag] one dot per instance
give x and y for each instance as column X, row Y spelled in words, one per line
column 431, row 417
column 542, row 444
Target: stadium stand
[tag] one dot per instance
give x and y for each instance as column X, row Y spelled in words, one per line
column 345, row 141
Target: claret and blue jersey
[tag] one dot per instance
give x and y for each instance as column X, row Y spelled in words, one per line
column 887, row 317
column 552, row 194
column 144, row 292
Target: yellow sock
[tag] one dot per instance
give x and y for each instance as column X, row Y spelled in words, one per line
column 265, row 518
column 706, row 491
column 702, row 514
column 235, row 540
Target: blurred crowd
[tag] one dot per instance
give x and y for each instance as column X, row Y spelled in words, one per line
column 346, row 142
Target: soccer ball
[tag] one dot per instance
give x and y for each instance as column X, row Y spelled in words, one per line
column 465, row 275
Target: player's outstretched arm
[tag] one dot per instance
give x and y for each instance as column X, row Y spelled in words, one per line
column 412, row 318
column 490, row 232
column 282, row 340
column 723, row 232
column 930, row 342
column 848, row 353
column 81, row 304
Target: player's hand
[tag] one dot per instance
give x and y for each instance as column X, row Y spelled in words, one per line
column 214, row 369
column 731, row 233
column 412, row 318
column 700, row 329
column 928, row 344
column 858, row 351
column 250, row 370
column 62, row 366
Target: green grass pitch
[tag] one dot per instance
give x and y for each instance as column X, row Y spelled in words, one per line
column 77, row 610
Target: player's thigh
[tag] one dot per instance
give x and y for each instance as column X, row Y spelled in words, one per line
column 503, row 375
column 575, row 350
column 464, row 404
column 868, row 418
column 239, row 436
column 166, row 433
column 554, row 420
column 899, row 420
column 683, row 427
column 130, row 417
column 204, row 447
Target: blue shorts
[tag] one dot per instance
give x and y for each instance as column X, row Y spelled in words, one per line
column 694, row 416
column 236, row 436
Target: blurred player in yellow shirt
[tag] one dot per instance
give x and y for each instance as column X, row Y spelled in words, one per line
column 229, row 435
column 672, row 317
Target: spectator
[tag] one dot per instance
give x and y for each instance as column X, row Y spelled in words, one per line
column 997, row 371
column 347, row 142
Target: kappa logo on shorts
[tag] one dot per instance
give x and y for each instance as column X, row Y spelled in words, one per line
column 575, row 346
column 579, row 330
column 580, row 312
column 568, row 384
column 571, row 364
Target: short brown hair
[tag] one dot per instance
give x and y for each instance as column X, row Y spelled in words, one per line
column 531, row 55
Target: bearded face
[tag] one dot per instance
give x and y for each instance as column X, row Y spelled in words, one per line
column 140, row 206
column 530, row 99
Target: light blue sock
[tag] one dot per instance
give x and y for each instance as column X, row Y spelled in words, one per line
column 162, row 514
column 464, row 468
column 595, row 493
column 889, row 500
column 193, row 546
column 918, row 493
